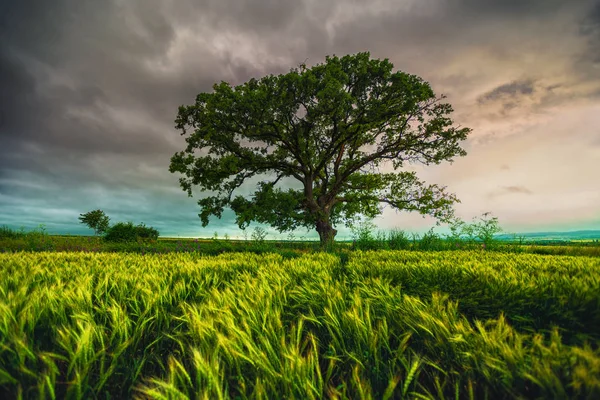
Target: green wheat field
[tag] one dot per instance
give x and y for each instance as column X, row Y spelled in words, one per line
column 370, row 325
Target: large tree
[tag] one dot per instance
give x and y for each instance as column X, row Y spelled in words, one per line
column 342, row 131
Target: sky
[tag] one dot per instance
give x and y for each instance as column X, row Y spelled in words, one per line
column 89, row 92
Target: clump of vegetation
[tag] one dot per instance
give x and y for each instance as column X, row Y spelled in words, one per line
column 430, row 241
column 259, row 234
column 121, row 232
column 478, row 234
column 36, row 239
column 482, row 230
column 146, row 232
column 8, row 233
column 363, row 237
column 128, row 232
column 398, row 240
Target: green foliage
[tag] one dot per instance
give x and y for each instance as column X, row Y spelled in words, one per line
column 486, row 227
column 146, row 232
column 430, row 241
column 96, row 220
column 8, row 233
column 128, row 232
column 121, row 232
column 482, row 229
column 398, row 240
column 363, row 237
column 389, row 325
column 36, row 239
column 322, row 133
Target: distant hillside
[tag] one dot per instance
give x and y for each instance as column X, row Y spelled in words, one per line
column 573, row 235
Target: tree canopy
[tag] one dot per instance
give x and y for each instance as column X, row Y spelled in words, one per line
column 330, row 143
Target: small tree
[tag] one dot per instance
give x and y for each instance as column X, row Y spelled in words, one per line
column 96, row 220
column 362, row 235
column 483, row 229
column 486, row 228
column 259, row 235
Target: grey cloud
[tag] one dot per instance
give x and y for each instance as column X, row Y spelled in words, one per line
column 590, row 23
column 507, row 190
column 97, row 55
column 254, row 16
column 492, row 37
column 55, row 30
column 517, row 189
column 509, row 90
column 508, row 8
column 590, row 31
column 18, row 95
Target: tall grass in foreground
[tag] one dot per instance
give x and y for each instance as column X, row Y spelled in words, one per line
column 383, row 325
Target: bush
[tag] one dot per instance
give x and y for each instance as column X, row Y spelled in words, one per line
column 127, row 232
column 398, row 240
column 486, row 228
column 362, row 235
column 481, row 230
column 146, row 232
column 122, row 232
column 7, row 233
column 430, row 241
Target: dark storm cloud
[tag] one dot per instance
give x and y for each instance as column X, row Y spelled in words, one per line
column 590, row 30
column 507, row 8
column 251, row 16
column 590, row 23
column 54, row 58
column 81, row 77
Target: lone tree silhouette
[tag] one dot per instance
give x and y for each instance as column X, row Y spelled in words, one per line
column 330, row 142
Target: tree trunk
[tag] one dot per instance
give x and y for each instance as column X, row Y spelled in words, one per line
column 326, row 233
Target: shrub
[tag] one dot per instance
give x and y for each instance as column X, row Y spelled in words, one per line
column 486, row 228
column 122, row 232
column 398, row 240
column 363, row 238
column 430, row 241
column 128, row 232
column 8, row 233
column 146, row 232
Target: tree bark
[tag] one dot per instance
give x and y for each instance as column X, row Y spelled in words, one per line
column 326, row 233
